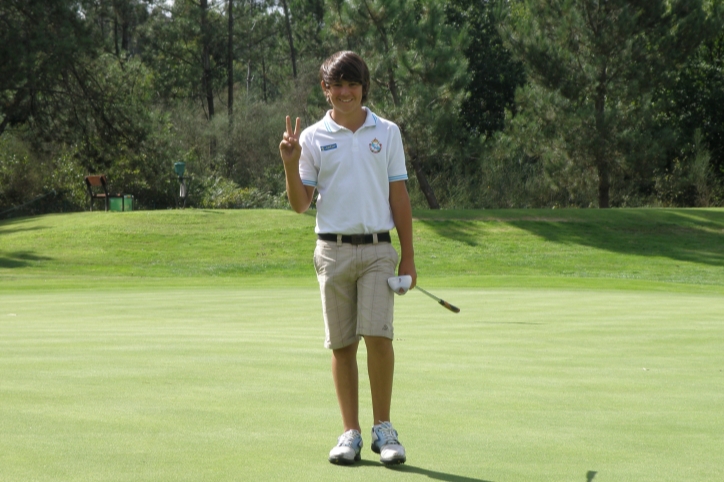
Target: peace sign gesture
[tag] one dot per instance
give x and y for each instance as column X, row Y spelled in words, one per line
column 289, row 147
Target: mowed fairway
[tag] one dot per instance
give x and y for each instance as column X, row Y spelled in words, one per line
column 165, row 379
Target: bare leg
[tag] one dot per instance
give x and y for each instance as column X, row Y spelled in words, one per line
column 346, row 382
column 381, row 368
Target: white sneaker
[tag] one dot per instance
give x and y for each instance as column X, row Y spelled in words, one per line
column 348, row 448
column 385, row 443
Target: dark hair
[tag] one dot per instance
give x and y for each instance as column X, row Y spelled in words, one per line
column 346, row 65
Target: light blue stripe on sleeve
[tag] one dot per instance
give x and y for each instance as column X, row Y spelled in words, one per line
column 307, row 182
column 401, row 177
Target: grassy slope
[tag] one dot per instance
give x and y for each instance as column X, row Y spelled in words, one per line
column 614, row 248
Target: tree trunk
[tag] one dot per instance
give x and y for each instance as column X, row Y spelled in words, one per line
column 263, row 78
column 230, row 63
column 121, row 27
column 205, row 54
column 603, row 186
column 115, row 36
column 600, row 154
column 290, row 39
column 248, row 76
column 4, row 124
column 425, row 186
column 230, row 88
column 125, row 35
column 392, row 86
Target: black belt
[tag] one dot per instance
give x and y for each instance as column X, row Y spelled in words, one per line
column 356, row 238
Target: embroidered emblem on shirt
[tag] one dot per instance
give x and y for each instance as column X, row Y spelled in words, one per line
column 375, row 146
column 329, row 147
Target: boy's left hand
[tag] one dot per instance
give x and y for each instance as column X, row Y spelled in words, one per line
column 407, row 267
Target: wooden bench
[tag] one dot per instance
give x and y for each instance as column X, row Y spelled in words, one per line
column 97, row 189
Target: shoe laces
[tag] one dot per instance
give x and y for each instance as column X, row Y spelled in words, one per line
column 348, row 438
column 387, row 435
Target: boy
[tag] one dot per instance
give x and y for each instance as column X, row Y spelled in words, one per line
column 356, row 162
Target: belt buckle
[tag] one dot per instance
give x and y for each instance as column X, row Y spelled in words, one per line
column 356, row 239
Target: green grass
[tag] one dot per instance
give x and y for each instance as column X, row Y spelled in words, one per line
column 571, row 248
column 173, row 346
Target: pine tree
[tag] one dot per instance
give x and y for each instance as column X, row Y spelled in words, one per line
column 418, row 72
column 495, row 75
column 604, row 58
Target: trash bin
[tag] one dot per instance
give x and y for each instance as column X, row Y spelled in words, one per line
column 116, row 203
column 122, row 202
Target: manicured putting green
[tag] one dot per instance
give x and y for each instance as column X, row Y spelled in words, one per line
column 228, row 384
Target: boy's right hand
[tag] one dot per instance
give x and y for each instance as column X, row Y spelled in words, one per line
column 289, row 147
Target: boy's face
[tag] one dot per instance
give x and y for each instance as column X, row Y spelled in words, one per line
column 345, row 96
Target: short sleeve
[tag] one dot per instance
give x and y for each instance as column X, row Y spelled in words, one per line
column 396, row 168
column 308, row 168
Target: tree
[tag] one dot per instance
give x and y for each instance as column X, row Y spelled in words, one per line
column 419, row 72
column 290, row 37
column 604, row 58
column 40, row 43
column 186, row 45
column 230, row 61
column 494, row 74
column 206, row 80
column 694, row 100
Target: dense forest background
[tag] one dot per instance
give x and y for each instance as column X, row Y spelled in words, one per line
column 508, row 103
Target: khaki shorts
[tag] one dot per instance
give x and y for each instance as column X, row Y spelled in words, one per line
column 356, row 299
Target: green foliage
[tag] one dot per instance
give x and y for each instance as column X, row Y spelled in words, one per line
column 18, row 178
column 690, row 181
column 40, row 46
column 221, row 193
column 494, row 74
column 692, row 102
column 419, row 74
column 172, row 41
column 617, row 91
column 246, row 150
column 605, row 59
column 33, row 184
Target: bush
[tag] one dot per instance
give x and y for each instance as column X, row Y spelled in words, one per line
column 221, row 193
column 37, row 183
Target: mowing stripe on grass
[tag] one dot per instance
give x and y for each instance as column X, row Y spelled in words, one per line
column 233, row 384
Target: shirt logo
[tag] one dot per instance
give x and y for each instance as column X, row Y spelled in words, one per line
column 329, row 147
column 375, row 146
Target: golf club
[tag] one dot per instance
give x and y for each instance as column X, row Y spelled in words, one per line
column 444, row 303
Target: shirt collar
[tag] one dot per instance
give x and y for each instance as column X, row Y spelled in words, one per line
column 331, row 126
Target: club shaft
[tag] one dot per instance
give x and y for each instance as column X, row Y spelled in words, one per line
column 444, row 303
column 428, row 294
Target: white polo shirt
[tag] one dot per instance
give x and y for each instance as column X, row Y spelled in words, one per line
column 352, row 172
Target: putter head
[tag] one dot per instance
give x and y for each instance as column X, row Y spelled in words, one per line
column 400, row 284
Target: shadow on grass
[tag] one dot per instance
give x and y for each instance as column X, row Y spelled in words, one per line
column 411, row 469
column 12, row 226
column 462, row 231
column 19, row 259
column 685, row 235
column 432, row 474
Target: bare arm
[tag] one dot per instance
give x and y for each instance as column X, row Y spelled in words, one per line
column 300, row 196
column 402, row 215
